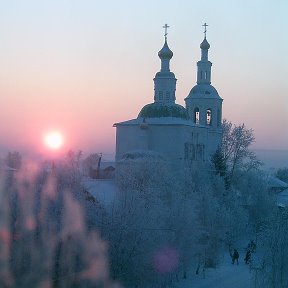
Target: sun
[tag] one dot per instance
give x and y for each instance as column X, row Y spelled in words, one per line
column 54, row 140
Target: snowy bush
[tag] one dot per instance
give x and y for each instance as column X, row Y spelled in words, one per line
column 273, row 251
column 44, row 241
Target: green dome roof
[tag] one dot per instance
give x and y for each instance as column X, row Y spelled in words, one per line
column 157, row 110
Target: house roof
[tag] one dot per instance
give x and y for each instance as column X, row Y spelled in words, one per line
column 282, row 198
column 274, row 182
column 104, row 191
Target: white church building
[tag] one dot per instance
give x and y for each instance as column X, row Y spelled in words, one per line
column 182, row 135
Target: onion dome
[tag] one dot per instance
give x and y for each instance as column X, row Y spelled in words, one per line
column 165, row 52
column 205, row 45
column 159, row 110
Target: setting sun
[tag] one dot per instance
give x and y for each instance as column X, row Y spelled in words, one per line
column 54, row 140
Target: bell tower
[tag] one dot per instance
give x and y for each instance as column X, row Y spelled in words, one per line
column 204, row 105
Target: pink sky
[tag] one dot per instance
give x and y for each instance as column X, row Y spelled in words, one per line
column 79, row 67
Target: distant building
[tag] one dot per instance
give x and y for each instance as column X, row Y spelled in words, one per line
column 105, row 170
column 180, row 135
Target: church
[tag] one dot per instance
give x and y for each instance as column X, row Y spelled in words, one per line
column 180, row 135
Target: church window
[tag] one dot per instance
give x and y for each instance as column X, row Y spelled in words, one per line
column 206, row 75
column 192, row 152
column 160, row 95
column 196, row 115
column 199, row 151
column 189, row 151
column 167, row 95
column 209, row 116
column 203, row 152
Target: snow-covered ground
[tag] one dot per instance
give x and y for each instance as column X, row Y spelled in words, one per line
column 225, row 276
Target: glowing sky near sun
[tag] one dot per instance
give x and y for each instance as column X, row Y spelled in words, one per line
column 54, row 139
column 80, row 66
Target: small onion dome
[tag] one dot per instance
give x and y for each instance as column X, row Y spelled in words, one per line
column 205, row 45
column 165, row 52
column 159, row 110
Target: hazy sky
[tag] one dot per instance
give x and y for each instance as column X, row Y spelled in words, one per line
column 81, row 65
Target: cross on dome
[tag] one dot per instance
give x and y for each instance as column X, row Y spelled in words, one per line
column 166, row 33
column 205, row 29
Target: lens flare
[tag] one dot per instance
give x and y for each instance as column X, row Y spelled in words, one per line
column 166, row 260
column 54, row 140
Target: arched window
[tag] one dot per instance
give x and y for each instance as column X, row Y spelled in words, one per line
column 196, row 115
column 200, row 152
column 209, row 116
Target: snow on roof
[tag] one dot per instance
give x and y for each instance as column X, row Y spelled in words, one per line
column 274, row 182
column 282, row 198
column 104, row 191
column 159, row 121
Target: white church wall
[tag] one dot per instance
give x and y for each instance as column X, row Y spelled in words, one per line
column 130, row 138
column 168, row 140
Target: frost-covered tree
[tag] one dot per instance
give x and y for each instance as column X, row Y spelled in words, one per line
column 72, row 166
column 139, row 226
column 92, row 162
column 153, row 223
column 219, row 162
column 273, row 250
column 254, row 192
column 236, row 141
column 220, row 217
